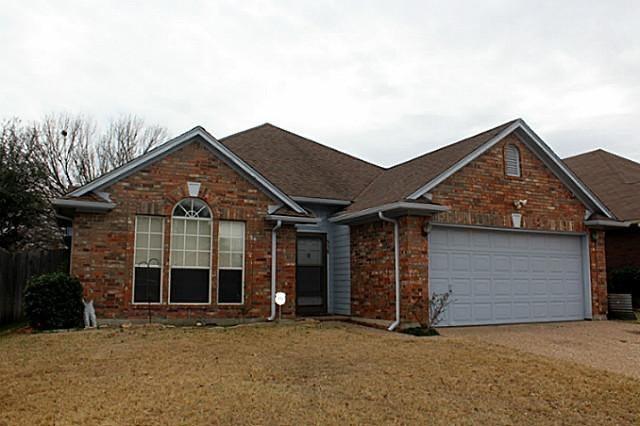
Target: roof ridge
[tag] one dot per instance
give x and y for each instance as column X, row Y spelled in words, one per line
column 506, row 124
column 267, row 124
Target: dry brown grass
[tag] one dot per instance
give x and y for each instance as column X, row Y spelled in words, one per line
column 295, row 374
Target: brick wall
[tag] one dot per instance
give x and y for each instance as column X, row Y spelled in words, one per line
column 102, row 252
column 479, row 194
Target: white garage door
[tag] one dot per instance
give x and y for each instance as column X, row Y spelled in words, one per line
column 506, row 277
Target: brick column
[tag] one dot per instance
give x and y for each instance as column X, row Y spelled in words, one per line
column 286, row 267
column 414, row 266
column 598, row 267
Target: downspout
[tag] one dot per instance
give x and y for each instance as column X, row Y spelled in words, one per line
column 396, row 261
column 273, row 270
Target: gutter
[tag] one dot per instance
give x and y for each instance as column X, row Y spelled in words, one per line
column 396, row 261
column 274, row 247
column 401, row 205
column 91, row 206
column 291, row 219
column 608, row 223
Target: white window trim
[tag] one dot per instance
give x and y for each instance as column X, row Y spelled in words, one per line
column 244, row 254
column 133, row 271
column 518, row 159
column 210, row 219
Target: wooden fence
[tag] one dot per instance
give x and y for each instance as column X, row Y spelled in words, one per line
column 15, row 271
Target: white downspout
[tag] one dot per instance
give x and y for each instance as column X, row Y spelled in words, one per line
column 274, row 248
column 396, row 261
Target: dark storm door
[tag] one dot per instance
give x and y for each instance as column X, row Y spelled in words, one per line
column 311, row 275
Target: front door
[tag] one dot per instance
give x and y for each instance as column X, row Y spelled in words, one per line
column 311, row 275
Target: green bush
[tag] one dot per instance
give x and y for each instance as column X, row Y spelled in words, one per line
column 624, row 280
column 54, row 301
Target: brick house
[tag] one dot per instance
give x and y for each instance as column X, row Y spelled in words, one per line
column 201, row 228
column 616, row 181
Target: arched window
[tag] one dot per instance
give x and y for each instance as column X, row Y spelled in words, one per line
column 512, row 160
column 190, row 252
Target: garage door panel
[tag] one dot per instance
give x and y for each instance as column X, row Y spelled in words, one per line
column 501, row 263
column 521, row 287
column 439, row 262
column 481, row 262
column 482, row 311
column 501, row 287
column 460, row 262
column 503, row 311
column 461, row 286
column 502, row 277
column 481, row 287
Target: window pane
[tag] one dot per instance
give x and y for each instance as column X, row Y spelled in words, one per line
column 236, row 244
column 225, row 229
column 141, row 256
column 190, row 258
column 204, row 227
column 142, row 240
column 155, row 241
column 146, row 288
column 204, row 259
column 224, row 260
column 236, row 260
column 225, row 244
column 142, row 224
column 192, row 227
column 237, row 229
column 230, row 286
column 177, row 258
column 190, row 286
column 177, row 242
column 204, row 243
column 156, row 224
column 155, row 257
column 190, row 242
column 178, row 226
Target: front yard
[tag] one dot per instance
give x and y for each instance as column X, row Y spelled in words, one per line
column 303, row 373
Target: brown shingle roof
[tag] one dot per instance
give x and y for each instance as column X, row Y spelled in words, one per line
column 400, row 181
column 614, row 179
column 300, row 166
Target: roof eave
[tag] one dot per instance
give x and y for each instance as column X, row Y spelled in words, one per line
column 587, row 195
column 291, row 219
column 174, row 143
column 399, row 208
column 82, row 206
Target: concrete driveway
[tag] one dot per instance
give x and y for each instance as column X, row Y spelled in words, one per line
column 607, row 345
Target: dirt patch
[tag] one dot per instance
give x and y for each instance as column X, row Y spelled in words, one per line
column 304, row 373
column 608, row 345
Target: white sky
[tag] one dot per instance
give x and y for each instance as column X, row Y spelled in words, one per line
column 383, row 80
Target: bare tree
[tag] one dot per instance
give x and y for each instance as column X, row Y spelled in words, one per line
column 126, row 138
column 428, row 315
column 67, row 151
column 75, row 152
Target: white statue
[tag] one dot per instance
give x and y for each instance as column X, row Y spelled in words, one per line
column 89, row 314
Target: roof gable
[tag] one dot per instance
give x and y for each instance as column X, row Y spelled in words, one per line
column 415, row 178
column 614, row 179
column 195, row 134
column 302, row 167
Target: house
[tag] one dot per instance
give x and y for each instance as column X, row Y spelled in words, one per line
column 616, row 181
column 202, row 228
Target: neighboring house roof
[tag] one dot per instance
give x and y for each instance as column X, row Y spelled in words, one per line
column 300, row 166
column 411, row 180
column 168, row 147
column 614, row 179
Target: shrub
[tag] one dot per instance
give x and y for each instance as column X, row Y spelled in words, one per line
column 54, row 301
